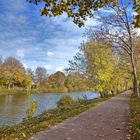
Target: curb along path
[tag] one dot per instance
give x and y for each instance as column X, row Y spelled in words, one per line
column 106, row 121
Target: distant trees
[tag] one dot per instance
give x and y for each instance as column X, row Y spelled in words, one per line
column 13, row 76
column 27, row 82
column 76, row 82
column 56, row 82
column 30, row 72
column 59, row 82
column 40, row 74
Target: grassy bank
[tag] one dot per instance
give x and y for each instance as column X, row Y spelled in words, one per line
column 135, row 118
column 51, row 117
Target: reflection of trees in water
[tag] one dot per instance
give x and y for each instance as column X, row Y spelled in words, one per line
column 13, row 105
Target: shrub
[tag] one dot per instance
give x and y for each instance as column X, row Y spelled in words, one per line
column 65, row 101
column 32, row 109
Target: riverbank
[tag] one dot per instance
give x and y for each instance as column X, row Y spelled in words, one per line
column 28, row 127
column 17, row 91
column 32, row 91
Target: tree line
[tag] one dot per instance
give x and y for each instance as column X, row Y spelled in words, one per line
column 95, row 67
column 13, row 75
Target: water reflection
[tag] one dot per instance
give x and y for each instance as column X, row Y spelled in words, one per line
column 13, row 107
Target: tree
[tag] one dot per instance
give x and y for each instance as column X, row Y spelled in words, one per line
column 56, row 82
column 40, row 74
column 44, row 85
column 101, row 62
column 30, row 73
column 104, row 70
column 76, row 81
column 13, row 72
column 27, row 82
column 121, row 79
column 117, row 28
column 78, row 10
column 79, row 62
column 137, row 55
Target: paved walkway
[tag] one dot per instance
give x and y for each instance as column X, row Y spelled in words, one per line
column 107, row 121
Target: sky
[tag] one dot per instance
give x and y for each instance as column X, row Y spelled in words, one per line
column 38, row 40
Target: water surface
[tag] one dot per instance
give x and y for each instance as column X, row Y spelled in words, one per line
column 13, row 107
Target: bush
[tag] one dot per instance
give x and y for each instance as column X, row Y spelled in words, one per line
column 32, row 109
column 65, row 101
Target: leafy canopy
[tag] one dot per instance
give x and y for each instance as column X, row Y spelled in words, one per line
column 78, row 10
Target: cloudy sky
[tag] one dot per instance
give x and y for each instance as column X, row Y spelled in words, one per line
column 37, row 40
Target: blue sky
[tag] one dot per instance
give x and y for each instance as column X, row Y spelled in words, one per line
column 37, row 40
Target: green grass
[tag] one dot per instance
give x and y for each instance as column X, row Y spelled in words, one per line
column 135, row 118
column 51, row 117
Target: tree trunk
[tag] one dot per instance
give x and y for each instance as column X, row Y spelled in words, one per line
column 135, row 77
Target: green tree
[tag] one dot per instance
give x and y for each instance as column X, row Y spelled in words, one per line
column 76, row 82
column 101, row 64
column 27, row 82
column 121, row 79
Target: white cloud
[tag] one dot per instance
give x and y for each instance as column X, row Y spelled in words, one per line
column 50, row 53
column 109, row 11
column 92, row 22
column 20, row 53
column 47, row 67
column 25, row 65
column 134, row 13
column 59, row 69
